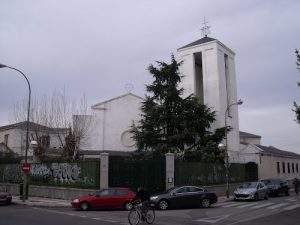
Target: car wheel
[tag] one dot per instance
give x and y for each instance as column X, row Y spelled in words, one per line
column 266, row 196
column 287, row 193
column 256, row 197
column 8, row 202
column 84, row 206
column 205, row 203
column 128, row 206
column 163, row 205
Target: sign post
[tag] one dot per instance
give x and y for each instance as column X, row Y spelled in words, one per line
column 26, row 168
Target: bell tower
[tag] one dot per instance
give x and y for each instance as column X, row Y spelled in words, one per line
column 209, row 73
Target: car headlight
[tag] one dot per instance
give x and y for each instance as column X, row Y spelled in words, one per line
column 76, row 200
column 153, row 197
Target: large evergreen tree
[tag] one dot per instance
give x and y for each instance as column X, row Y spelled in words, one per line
column 297, row 107
column 171, row 123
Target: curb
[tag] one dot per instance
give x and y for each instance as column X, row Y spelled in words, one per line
column 41, row 205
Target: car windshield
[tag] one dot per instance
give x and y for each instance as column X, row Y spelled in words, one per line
column 266, row 182
column 104, row 192
column 249, row 185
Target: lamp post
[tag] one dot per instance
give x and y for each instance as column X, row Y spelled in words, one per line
column 27, row 124
column 221, row 146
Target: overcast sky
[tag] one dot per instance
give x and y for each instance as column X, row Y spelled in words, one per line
column 96, row 47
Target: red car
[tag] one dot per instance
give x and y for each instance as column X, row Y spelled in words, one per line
column 110, row 198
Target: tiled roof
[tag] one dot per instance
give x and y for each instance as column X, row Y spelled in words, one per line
column 198, row 42
column 118, row 97
column 32, row 126
column 275, row 151
column 248, row 135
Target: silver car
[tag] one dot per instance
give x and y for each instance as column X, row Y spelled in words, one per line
column 251, row 191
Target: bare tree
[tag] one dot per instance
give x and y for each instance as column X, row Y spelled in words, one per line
column 56, row 115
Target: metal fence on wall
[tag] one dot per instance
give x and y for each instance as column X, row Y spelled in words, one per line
column 149, row 173
column 198, row 173
column 83, row 174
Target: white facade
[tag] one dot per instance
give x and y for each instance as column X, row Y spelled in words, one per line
column 13, row 139
column 209, row 73
column 111, row 121
column 271, row 165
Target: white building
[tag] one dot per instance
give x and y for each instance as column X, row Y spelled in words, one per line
column 272, row 162
column 13, row 136
column 111, row 121
column 209, row 73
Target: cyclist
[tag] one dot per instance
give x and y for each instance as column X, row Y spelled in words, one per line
column 143, row 197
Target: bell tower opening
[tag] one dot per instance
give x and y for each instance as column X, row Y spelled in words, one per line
column 198, row 76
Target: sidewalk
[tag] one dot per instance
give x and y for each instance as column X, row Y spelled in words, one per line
column 60, row 203
column 42, row 202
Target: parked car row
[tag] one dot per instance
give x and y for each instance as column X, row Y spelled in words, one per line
column 121, row 198
column 176, row 197
column 179, row 197
column 261, row 189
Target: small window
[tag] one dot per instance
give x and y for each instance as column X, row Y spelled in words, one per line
column 6, row 139
column 283, row 167
column 289, row 170
column 182, row 190
column 293, row 168
column 278, row 167
column 120, row 192
column 297, row 168
column 107, row 192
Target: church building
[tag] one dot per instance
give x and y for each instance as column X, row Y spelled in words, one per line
column 209, row 73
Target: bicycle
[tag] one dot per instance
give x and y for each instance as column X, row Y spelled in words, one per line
column 141, row 212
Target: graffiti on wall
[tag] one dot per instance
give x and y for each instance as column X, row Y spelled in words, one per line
column 51, row 173
column 59, row 172
column 10, row 173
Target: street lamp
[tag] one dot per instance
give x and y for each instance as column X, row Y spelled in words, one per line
column 27, row 123
column 223, row 147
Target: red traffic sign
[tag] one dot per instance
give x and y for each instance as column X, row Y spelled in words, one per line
column 26, row 168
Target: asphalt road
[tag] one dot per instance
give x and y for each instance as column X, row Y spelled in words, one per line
column 275, row 211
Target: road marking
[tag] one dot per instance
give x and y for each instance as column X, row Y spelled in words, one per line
column 233, row 204
column 263, row 205
column 213, row 219
column 83, row 216
column 247, row 205
column 224, row 203
column 292, row 207
column 277, row 206
column 291, row 199
column 76, row 215
column 248, row 219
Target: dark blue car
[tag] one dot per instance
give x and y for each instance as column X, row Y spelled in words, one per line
column 184, row 197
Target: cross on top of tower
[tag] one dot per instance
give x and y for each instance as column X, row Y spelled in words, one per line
column 205, row 29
